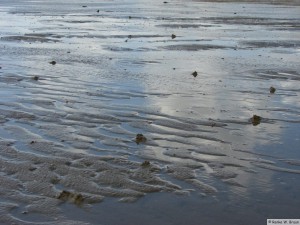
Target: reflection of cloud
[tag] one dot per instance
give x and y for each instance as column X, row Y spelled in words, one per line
column 223, row 92
column 189, row 126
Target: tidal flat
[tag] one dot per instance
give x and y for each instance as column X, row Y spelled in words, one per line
column 135, row 112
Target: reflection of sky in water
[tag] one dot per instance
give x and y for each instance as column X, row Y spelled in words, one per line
column 219, row 81
column 213, row 94
column 219, row 92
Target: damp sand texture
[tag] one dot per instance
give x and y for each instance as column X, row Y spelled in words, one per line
column 131, row 112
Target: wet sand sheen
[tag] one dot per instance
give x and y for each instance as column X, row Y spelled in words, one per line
column 68, row 135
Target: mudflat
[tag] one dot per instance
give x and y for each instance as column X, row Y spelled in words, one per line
column 137, row 112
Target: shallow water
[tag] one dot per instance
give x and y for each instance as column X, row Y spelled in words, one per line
column 68, row 131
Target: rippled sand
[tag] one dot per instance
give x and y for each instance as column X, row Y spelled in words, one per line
column 79, row 81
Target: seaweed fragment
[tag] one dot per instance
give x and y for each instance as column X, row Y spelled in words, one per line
column 145, row 163
column 77, row 199
column 64, row 195
column 36, row 78
column 255, row 120
column 272, row 90
column 140, row 138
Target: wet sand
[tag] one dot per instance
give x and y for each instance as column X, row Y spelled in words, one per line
column 79, row 81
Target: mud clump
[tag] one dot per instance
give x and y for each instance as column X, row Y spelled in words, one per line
column 77, row 199
column 36, row 78
column 195, row 74
column 140, row 138
column 255, row 120
column 272, row 90
column 52, row 63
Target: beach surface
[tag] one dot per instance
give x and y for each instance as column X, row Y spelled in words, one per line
column 135, row 112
